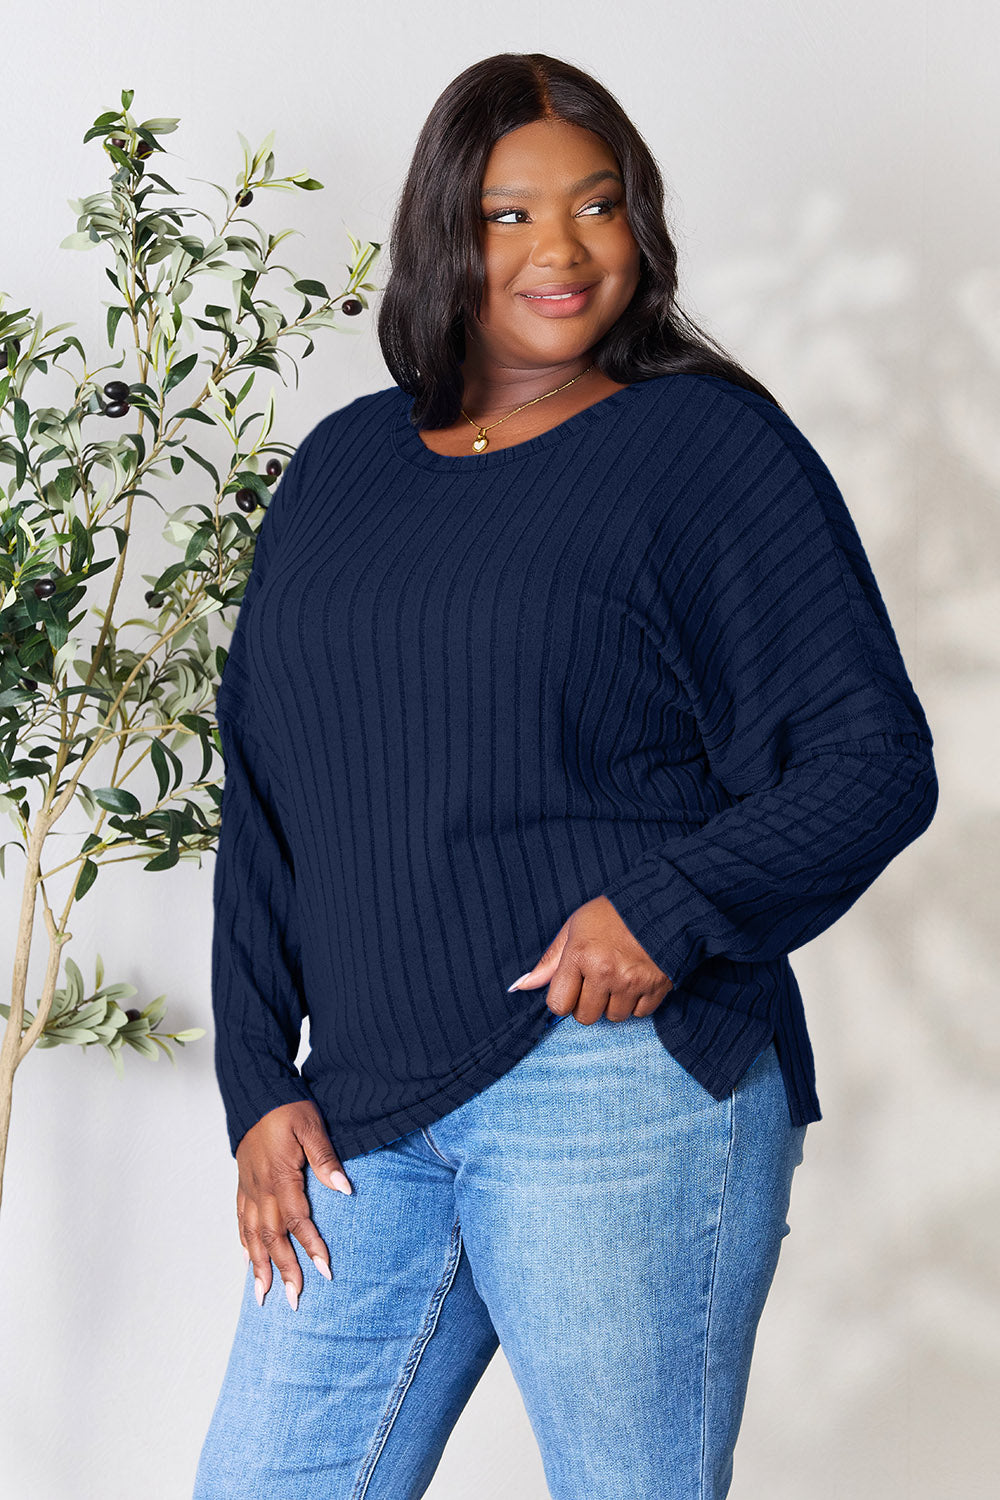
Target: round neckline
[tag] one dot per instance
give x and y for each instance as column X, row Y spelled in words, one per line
column 408, row 445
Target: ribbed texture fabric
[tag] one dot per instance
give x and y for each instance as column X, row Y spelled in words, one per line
column 642, row 654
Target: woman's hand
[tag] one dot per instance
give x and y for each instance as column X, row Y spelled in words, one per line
column 594, row 964
column 271, row 1200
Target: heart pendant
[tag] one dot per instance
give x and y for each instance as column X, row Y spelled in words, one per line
column 480, row 442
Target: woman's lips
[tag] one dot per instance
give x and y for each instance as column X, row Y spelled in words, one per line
column 558, row 304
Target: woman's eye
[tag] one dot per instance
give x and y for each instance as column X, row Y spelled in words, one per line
column 507, row 215
column 603, row 203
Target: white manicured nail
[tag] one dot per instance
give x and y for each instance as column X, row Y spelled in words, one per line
column 517, row 982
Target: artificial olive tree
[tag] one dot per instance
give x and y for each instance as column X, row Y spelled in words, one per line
column 113, row 718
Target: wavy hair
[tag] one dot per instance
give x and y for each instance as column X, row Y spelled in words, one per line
column 435, row 245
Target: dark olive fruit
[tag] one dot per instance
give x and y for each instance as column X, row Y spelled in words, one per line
column 29, row 683
column 351, row 306
column 244, row 200
column 116, row 390
column 116, row 140
column 14, row 344
column 45, row 588
column 117, row 409
column 143, row 149
column 153, row 599
column 274, row 467
column 246, row 499
column 133, row 1014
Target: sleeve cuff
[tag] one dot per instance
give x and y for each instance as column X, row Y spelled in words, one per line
column 241, row 1116
column 671, row 952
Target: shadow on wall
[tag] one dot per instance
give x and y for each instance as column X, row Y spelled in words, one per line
column 877, row 1350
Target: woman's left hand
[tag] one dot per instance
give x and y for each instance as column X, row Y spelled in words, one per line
column 594, row 964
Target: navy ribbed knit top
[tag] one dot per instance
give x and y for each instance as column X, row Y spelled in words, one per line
column 640, row 655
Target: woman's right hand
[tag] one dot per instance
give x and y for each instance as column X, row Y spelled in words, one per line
column 271, row 1200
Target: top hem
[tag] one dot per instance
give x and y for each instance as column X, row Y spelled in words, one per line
column 356, row 1140
column 348, row 1141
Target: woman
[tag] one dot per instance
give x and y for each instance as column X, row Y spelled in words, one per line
column 562, row 705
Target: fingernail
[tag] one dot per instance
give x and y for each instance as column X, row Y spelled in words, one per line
column 258, row 1287
column 246, row 1255
column 517, row 981
column 292, row 1295
column 340, row 1182
column 322, row 1267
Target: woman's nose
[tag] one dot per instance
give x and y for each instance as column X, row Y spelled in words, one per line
column 557, row 244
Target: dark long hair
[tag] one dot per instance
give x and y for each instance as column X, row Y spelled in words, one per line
column 436, row 275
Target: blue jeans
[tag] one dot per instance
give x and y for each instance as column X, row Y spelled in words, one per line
column 595, row 1212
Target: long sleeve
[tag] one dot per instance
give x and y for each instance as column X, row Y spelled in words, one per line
column 257, row 993
column 767, row 611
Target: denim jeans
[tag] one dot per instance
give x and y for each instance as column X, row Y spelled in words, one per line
column 597, row 1213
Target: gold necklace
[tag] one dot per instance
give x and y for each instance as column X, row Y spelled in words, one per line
column 481, row 442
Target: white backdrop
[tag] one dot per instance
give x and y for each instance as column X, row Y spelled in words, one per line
column 832, row 186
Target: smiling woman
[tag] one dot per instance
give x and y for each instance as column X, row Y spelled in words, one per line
column 561, row 707
column 529, row 177
column 560, row 251
column 559, row 239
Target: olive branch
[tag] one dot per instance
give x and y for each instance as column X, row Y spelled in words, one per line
column 137, row 695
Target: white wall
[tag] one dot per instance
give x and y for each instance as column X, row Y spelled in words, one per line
column 832, row 173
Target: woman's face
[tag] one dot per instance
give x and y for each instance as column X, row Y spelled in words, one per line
column 554, row 221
